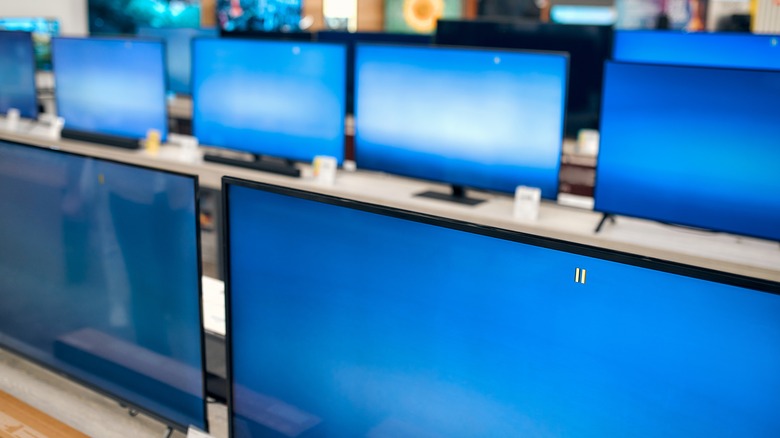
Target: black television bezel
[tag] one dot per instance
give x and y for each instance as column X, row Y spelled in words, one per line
column 246, row 151
column 468, row 49
column 615, row 212
column 36, row 111
column 96, row 388
column 114, row 139
column 529, row 29
column 757, row 284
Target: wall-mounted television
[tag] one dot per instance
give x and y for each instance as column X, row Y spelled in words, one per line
column 178, row 50
column 479, row 118
column 705, row 49
column 274, row 99
column 693, row 146
column 248, row 17
column 588, row 47
column 123, row 17
column 100, row 277
column 42, row 29
column 352, row 319
column 111, row 90
column 17, row 75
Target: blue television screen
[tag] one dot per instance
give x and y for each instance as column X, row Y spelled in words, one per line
column 348, row 319
column 17, row 75
column 728, row 49
column 178, row 49
column 99, row 273
column 486, row 119
column 111, row 86
column 42, row 29
column 693, row 146
column 277, row 98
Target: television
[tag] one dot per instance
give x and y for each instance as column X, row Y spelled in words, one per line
column 280, row 101
column 692, row 146
column 487, row 119
column 588, row 47
column 42, row 29
column 110, row 90
column 178, row 60
column 350, row 39
column 705, row 49
column 583, row 14
column 100, row 277
column 17, row 76
column 353, row 319
column 253, row 17
column 123, row 17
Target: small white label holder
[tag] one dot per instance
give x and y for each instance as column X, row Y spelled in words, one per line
column 527, row 201
column 325, row 169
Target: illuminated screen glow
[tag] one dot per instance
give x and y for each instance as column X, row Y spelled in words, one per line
column 17, row 74
column 479, row 118
column 692, row 146
column 345, row 322
column 99, row 274
column 111, row 86
column 43, row 29
column 178, row 51
column 278, row 98
column 737, row 50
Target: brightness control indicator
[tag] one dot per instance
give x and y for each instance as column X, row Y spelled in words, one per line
column 579, row 275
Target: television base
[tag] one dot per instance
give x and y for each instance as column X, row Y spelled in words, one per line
column 281, row 167
column 102, row 139
column 604, row 218
column 458, row 196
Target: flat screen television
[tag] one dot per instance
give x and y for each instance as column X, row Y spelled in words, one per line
column 351, row 319
column 705, row 49
column 350, row 39
column 588, row 47
column 692, row 146
column 110, row 90
column 100, row 277
column 488, row 119
column 123, row 17
column 178, row 50
column 42, row 29
column 273, row 99
column 248, row 17
column 17, row 75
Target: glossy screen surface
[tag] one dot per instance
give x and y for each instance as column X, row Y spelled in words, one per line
column 111, row 86
column 17, row 74
column 692, row 146
column 351, row 323
column 178, row 52
column 479, row 118
column 278, row 98
column 737, row 50
column 99, row 277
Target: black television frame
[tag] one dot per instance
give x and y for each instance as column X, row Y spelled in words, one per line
column 36, row 111
column 611, row 215
column 100, row 137
column 707, row 274
column 124, row 403
column 459, row 192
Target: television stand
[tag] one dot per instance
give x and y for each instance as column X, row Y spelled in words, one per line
column 604, row 218
column 458, row 196
column 102, row 139
column 265, row 164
